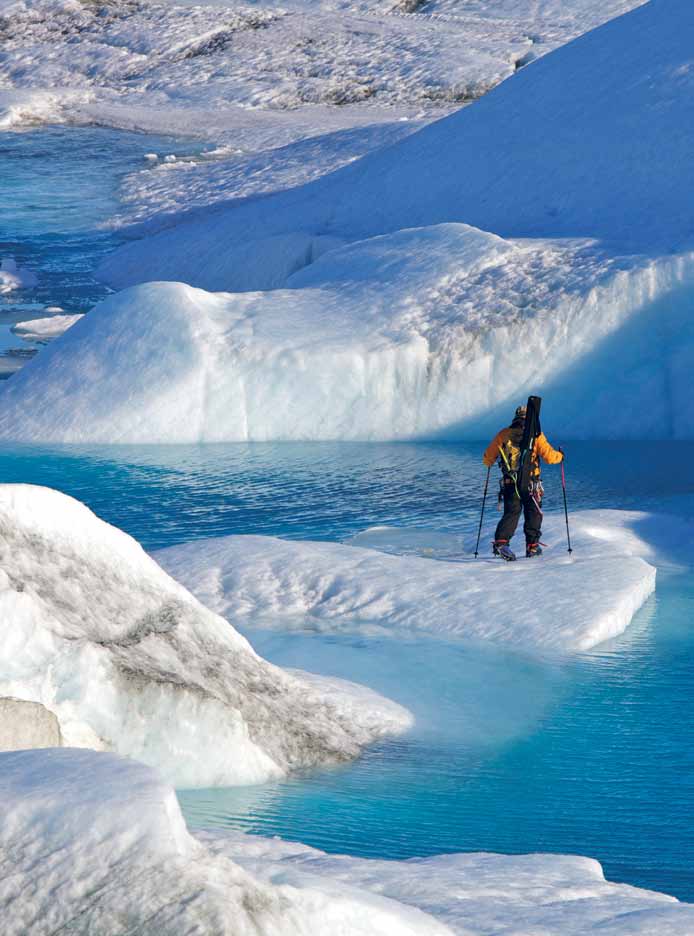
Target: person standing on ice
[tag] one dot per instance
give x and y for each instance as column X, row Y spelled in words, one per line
column 520, row 490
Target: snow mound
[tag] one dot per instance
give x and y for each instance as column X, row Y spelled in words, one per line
column 93, row 843
column 45, row 329
column 128, row 660
column 574, row 145
column 560, row 603
column 476, row 894
column 14, row 277
column 431, row 332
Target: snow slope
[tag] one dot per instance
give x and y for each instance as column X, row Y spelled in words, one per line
column 574, row 145
column 476, row 894
column 587, row 598
column 93, row 843
column 194, row 66
column 128, row 660
column 432, row 332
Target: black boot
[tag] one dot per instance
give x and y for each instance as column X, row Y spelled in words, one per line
column 532, row 549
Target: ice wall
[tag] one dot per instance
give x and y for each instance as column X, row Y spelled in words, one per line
column 426, row 333
column 128, row 660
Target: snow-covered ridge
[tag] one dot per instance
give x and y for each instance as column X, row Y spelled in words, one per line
column 92, row 628
column 333, row 587
column 432, row 332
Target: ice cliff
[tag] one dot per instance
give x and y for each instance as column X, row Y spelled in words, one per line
column 128, row 660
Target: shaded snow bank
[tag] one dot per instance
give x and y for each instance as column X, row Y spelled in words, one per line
column 92, row 628
column 586, row 598
column 93, row 843
column 423, row 333
column 475, row 894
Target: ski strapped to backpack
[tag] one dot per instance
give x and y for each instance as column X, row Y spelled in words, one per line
column 516, row 455
column 531, row 432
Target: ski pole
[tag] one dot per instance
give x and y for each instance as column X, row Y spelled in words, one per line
column 566, row 509
column 484, row 501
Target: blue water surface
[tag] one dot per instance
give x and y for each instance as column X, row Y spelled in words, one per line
column 590, row 754
column 509, row 753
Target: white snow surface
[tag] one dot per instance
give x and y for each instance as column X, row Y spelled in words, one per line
column 476, row 893
column 94, row 843
column 425, row 333
column 45, row 329
column 572, row 146
column 560, row 602
column 192, row 66
column 92, row 628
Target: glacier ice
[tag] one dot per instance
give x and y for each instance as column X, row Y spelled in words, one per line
column 94, row 843
column 425, row 333
column 572, row 146
column 476, row 893
column 128, row 660
column 334, row 587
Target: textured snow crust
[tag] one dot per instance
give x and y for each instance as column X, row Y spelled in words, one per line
column 91, row 843
column 333, row 587
column 423, row 333
column 476, row 894
column 128, row 660
column 191, row 66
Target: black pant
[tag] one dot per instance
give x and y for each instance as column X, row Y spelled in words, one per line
column 530, row 501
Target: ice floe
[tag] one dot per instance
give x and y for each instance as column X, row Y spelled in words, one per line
column 128, row 660
column 561, row 603
column 15, row 277
column 45, row 329
column 94, row 843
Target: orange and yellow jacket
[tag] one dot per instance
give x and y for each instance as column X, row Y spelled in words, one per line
column 541, row 450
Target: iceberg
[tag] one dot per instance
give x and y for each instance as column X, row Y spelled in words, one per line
column 129, row 661
column 94, row 843
column 332, row 587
